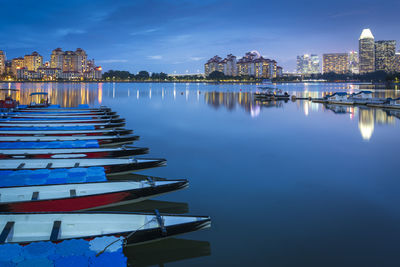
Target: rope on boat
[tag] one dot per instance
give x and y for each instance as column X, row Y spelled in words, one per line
column 125, row 238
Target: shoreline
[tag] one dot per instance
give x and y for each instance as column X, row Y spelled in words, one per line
column 214, row 82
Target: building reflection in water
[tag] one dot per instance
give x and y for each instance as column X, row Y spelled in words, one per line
column 65, row 95
column 245, row 100
column 367, row 117
column 366, row 123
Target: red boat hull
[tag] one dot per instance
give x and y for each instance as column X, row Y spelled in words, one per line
column 86, row 155
column 90, row 202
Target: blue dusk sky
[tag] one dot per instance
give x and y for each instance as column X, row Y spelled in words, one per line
column 180, row 35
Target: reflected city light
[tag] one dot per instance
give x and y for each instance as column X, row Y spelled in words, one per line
column 100, row 93
column 366, row 123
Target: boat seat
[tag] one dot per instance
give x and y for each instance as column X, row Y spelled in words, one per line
column 6, row 231
column 48, row 166
column 72, row 193
column 160, row 222
column 20, row 166
column 35, row 195
column 76, row 165
column 55, row 231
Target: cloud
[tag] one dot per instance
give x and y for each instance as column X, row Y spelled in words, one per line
column 349, row 13
column 196, row 58
column 112, row 61
column 145, row 31
column 180, row 38
column 156, row 57
column 68, row 31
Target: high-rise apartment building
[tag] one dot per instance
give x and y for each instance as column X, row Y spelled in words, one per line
column 308, row 64
column 354, row 62
column 2, row 62
column 69, row 61
column 17, row 63
column 56, row 59
column 336, row 62
column 230, row 65
column 252, row 64
column 247, row 64
column 212, row 65
column 396, row 65
column 385, row 52
column 33, row 61
column 367, row 52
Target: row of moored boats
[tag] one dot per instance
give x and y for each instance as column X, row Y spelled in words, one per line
column 360, row 98
column 58, row 163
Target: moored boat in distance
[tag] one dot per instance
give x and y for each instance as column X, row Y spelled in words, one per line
column 111, row 165
column 271, row 93
column 135, row 227
column 43, row 98
column 59, row 153
column 8, row 102
column 336, row 98
column 365, row 97
column 83, row 196
column 390, row 103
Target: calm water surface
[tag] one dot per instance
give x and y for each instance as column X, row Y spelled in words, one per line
column 286, row 184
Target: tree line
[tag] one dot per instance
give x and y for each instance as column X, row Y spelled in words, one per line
column 378, row 76
column 140, row 76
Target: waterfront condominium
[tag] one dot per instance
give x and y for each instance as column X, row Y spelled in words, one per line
column 2, row 62
column 396, row 64
column 385, row 52
column 33, row 61
column 336, row 62
column 367, row 52
column 213, row 64
column 69, row 61
column 16, row 64
column 308, row 64
column 251, row 64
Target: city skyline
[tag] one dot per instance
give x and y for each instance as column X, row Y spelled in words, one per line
column 124, row 35
column 63, row 65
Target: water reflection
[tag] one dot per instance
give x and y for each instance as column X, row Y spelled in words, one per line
column 244, row 100
column 366, row 123
column 367, row 117
column 166, row 251
column 64, row 94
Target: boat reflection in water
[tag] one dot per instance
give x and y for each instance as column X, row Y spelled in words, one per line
column 166, row 251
